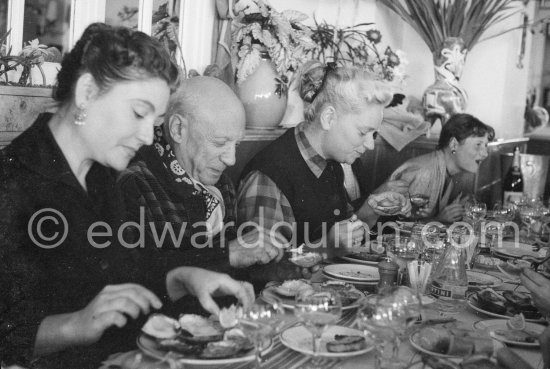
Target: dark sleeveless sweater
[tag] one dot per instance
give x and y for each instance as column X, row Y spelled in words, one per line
column 314, row 201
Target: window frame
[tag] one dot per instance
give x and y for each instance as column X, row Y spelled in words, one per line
column 195, row 26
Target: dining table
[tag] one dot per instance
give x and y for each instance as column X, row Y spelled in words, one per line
column 282, row 357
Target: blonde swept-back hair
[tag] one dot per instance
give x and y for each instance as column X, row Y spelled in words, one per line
column 347, row 88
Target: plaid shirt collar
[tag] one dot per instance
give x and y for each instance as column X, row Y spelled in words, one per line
column 314, row 161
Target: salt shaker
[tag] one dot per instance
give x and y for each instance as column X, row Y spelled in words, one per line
column 388, row 270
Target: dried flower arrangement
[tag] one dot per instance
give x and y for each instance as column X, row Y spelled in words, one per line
column 282, row 35
column 357, row 45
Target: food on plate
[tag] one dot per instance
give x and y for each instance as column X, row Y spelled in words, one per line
column 196, row 328
column 516, row 322
column 453, row 341
column 306, row 260
column 180, row 346
column 434, row 339
column 488, row 262
column 387, row 202
column 161, row 327
column 229, row 317
column 292, row 287
column 239, row 337
column 508, row 303
column 347, row 292
column 520, row 302
column 490, row 300
column 515, row 335
column 220, row 349
column 470, row 362
column 344, row 343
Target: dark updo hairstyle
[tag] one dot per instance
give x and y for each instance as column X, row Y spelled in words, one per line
column 111, row 55
column 461, row 126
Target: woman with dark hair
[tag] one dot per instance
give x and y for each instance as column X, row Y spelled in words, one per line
column 67, row 277
column 462, row 147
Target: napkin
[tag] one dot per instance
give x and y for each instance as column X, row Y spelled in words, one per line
column 400, row 127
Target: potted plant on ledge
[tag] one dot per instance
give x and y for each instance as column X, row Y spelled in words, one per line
column 25, row 85
column 268, row 47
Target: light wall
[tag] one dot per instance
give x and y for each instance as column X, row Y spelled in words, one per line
column 497, row 89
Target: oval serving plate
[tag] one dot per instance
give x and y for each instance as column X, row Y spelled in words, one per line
column 353, row 272
column 492, row 325
column 299, row 339
column 413, row 339
column 472, row 302
column 478, row 279
column 150, row 348
column 512, row 249
column 270, row 295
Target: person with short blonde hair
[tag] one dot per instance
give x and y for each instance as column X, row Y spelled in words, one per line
column 312, row 176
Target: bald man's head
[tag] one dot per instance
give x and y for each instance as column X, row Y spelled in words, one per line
column 205, row 120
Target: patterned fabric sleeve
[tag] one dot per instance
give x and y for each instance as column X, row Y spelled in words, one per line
column 261, row 201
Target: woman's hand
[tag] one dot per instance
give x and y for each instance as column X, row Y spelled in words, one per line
column 112, row 307
column 204, row 284
column 451, row 213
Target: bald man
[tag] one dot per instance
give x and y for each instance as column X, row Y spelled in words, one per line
column 177, row 193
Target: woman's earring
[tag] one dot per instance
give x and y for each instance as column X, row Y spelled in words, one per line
column 80, row 115
column 453, row 152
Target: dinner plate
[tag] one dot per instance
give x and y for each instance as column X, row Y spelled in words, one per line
column 473, row 303
column 355, row 283
column 491, row 325
column 353, row 272
column 270, row 295
column 413, row 339
column 299, row 339
column 478, row 279
column 148, row 346
column 356, row 258
column 515, row 250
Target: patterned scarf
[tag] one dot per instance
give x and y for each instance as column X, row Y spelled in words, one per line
column 212, row 197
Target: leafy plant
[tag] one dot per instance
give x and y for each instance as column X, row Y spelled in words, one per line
column 356, row 45
column 258, row 26
column 33, row 54
column 435, row 20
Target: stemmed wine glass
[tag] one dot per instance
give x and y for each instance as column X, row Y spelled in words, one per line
column 317, row 310
column 476, row 211
column 531, row 217
column 385, row 318
column 261, row 322
column 418, row 201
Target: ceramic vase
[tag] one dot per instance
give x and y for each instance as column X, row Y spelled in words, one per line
column 263, row 96
column 445, row 96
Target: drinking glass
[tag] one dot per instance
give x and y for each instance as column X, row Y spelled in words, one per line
column 386, row 318
column 418, row 201
column 318, row 310
column 531, row 217
column 503, row 213
column 261, row 322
